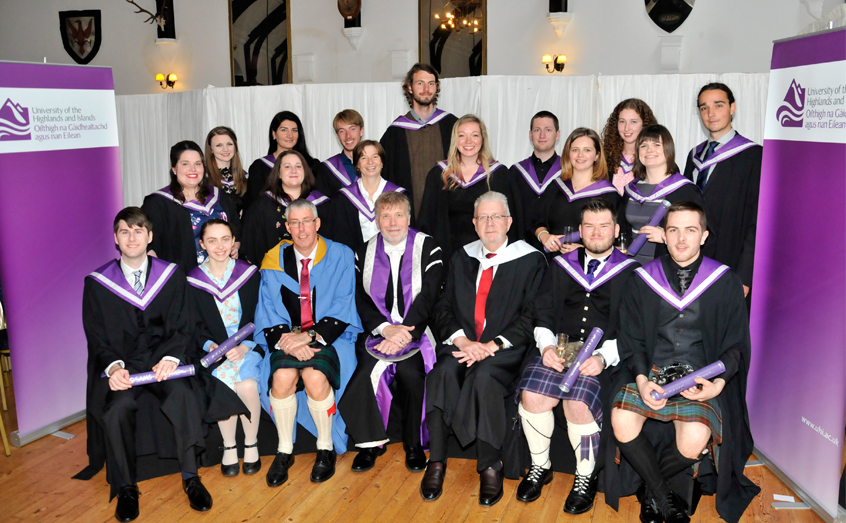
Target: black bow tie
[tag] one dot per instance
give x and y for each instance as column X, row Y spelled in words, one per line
column 684, row 276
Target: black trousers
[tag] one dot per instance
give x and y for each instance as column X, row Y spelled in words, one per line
column 361, row 412
column 181, row 410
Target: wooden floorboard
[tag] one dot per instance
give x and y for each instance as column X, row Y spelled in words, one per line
column 36, row 485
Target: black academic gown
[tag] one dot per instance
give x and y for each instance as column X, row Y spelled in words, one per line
column 264, row 226
column 472, row 399
column 563, row 305
column 398, row 160
column 173, row 234
column 366, row 425
column 447, row 215
column 731, row 206
column 118, row 330
column 259, row 171
column 725, row 335
column 327, row 182
column 346, row 228
column 527, row 193
column 686, row 193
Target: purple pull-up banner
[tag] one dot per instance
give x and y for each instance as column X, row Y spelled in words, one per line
column 60, row 189
column 797, row 380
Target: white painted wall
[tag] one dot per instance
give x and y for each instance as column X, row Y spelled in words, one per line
column 29, row 32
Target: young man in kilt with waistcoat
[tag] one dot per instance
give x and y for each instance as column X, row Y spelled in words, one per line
column 580, row 290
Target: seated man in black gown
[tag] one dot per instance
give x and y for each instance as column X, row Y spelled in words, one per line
column 683, row 309
column 484, row 318
column 581, row 290
column 135, row 317
column 399, row 276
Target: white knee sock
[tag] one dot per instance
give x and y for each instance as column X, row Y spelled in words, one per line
column 227, row 430
column 538, row 430
column 248, row 392
column 575, row 432
column 322, row 412
column 285, row 413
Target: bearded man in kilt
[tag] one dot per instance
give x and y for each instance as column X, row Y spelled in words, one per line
column 581, row 290
column 306, row 321
column 682, row 309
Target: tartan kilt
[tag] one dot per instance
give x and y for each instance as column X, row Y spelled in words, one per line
column 326, row 361
column 542, row 380
column 677, row 408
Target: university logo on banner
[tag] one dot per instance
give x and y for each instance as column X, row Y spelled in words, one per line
column 14, row 122
column 81, row 34
column 789, row 114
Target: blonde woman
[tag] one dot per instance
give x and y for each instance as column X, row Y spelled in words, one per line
column 453, row 185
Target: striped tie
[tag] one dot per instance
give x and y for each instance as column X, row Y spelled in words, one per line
column 138, row 286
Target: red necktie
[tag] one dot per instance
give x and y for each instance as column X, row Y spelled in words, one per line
column 306, row 319
column 482, row 298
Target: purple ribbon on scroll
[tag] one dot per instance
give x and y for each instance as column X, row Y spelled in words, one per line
column 573, row 237
column 228, row 345
column 656, row 218
column 587, row 351
column 673, row 388
column 145, row 378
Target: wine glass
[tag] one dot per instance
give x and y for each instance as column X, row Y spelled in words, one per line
column 622, row 243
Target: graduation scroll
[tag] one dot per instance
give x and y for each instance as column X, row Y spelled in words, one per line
column 675, row 387
column 145, row 378
column 654, row 220
column 228, row 345
column 587, row 351
column 572, row 237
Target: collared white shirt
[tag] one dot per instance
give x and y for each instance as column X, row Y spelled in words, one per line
column 482, row 255
column 395, row 253
column 721, row 141
column 369, row 229
column 130, row 278
column 588, row 258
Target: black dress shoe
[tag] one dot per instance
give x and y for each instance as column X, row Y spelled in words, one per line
column 366, row 458
column 532, row 485
column 432, row 485
column 581, row 497
column 649, row 512
column 490, row 487
column 324, row 466
column 255, row 466
column 673, row 509
column 229, row 470
column 278, row 471
column 127, row 504
column 197, row 494
column 415, row 458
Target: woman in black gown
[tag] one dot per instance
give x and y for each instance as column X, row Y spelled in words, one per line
column 584, row 175
column 264, row 221
column 285, row 133
column 452, row 186
column 223, row 162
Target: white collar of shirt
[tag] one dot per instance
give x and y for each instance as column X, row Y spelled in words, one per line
column 482, row 256
column 299, row 257
column 602, row 261
column 399, row 247
column 370, row 203
column 721, row 141
column 127, row 271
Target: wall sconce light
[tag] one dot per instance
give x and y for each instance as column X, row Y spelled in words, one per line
column 171, row 80
column 557, row 62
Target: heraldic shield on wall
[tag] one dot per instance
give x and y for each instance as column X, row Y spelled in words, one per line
column 81, row 34
column 669, row 15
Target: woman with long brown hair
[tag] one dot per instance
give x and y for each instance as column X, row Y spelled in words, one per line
column 584, row 175
column 453, row 185
column 223, row 162
column 264, row 221
column 619, row 137
column 180, row 209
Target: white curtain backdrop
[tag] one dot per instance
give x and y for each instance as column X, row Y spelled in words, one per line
column 150, row 124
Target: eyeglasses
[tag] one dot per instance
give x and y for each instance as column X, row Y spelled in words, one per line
column 494, row 217
column 305, row 223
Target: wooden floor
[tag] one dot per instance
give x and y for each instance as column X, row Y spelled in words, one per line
column 36, row 485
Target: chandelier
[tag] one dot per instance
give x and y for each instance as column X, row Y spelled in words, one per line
column 459, row 15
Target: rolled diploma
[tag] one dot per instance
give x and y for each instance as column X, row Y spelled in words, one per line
column 145, row 378
column 673, row 388
column 573, row 237
column 586, row 352
column 654, row 220
column 227, row 345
